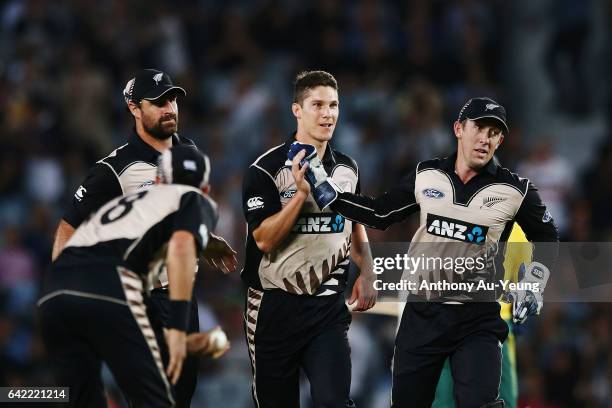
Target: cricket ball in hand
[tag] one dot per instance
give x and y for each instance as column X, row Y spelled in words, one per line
column 218, row 339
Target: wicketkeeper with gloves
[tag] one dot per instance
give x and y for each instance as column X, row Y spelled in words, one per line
column 467, row 203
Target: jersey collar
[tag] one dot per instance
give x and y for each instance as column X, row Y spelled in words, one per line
column 144, row 149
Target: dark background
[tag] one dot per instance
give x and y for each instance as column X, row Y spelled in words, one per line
column 404, row 70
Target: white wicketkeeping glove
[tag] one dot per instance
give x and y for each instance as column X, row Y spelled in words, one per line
column 528, row 302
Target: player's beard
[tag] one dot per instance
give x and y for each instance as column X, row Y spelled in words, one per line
column 162, row 130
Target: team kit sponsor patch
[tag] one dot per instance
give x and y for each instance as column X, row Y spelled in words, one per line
column 456, row 229
column 288, row 193
column 255, row 203
column 318, row 223
column 433, row 193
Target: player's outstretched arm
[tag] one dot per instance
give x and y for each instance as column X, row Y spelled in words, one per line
column 381, row 212
column 392, row 207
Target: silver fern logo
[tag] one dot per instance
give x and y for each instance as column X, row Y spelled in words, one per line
column 127, row 91
column 489, row 202
column 157, row 78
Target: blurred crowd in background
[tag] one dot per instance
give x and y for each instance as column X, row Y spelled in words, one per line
column 404, row 70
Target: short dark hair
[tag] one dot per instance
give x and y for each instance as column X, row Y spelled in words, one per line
column 307, row 80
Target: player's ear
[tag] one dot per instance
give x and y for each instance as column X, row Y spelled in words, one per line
column 458, row 129
column 501, row 140
column 206, row 189
column 134, row 109
column 296, row 108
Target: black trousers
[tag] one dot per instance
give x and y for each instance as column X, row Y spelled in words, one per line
column 80, row 330
column 286, row 333
column 158, row 311
column 470, row 334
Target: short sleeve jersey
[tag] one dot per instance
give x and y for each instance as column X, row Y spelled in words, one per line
column 132, row 231
column 131, row 167
column 314, row 258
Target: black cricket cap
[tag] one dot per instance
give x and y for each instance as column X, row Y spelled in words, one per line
column 481, row 108
column 149, row 84
column 183, row 164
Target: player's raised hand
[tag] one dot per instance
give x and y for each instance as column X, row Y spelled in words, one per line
column 299, row 173
column 364, row 294
column 177, row 351
column 324, row 188
column 220, row 255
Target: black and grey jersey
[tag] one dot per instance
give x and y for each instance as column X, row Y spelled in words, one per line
column 128, row 168
column 456, row 219
column 133, row 230
column 314, row 258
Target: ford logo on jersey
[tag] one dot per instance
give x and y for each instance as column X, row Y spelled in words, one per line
column 433, row 193
column 319, row 223
column 288, row 193
column 456, row 229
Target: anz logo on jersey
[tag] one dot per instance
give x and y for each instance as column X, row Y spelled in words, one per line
column 319, row 224
column 456, row 229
